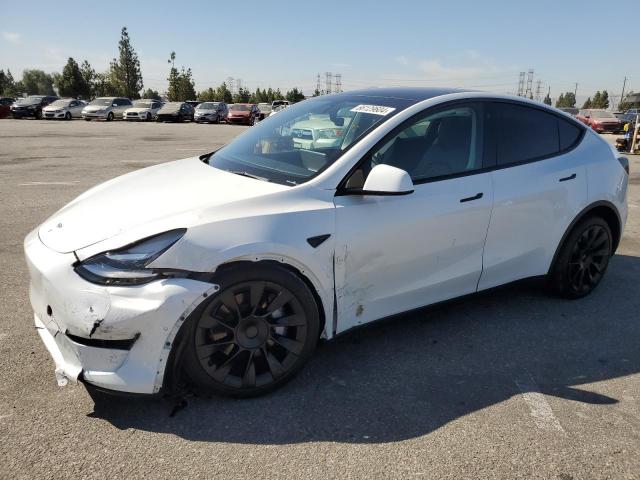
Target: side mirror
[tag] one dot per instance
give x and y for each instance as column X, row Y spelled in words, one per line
column 114, row 104
column 386, row 180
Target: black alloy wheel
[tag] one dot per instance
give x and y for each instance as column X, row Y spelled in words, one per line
column 67, row 116
column 583, row 259
column 38, row 114
column 253, row 335
column 110, row 117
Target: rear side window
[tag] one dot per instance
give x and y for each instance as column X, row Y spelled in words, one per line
column 523, row 133
column 569, row 134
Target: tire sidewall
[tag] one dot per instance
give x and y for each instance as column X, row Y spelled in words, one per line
column 559, row 276
column 227, row 279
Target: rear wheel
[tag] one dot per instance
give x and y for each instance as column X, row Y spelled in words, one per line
column 147, row 117
column 110, row 117
column 254, row 335
column 67, row 116
column 39, row 114
column 583, row 258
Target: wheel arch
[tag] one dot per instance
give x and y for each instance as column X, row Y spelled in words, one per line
column 602, row 208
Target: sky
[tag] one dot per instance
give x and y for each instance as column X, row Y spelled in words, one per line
column 284, row 44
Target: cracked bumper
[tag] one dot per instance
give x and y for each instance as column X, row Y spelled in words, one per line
column 67, row 306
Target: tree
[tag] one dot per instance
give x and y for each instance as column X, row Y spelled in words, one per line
column 72, row 83
column 36, row 82
column 153, row 94
column 242, row 96
column 8, row 86
column 565, row 100
column 186, row 88
column 316, row 93
column 626, row 104
column 102, row 86
column 208, row 95
column 223, row 94
column 547, row 99
column 587, row 103
column 294, row 95
column 125, row 73
column 600, row 100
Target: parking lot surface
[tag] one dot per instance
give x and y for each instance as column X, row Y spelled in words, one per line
column 511, row 383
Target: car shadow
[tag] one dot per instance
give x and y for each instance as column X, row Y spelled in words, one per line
column 406, row 377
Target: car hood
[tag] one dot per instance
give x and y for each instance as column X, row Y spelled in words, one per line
column 605, row 120
column 148, row 201
column 95, row 108
column 239, row 113
column 206, row 110
column 50, row 108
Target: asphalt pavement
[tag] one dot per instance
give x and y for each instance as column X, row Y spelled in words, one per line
column 511, row 383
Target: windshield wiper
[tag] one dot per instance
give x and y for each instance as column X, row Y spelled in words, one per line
column 249, row 175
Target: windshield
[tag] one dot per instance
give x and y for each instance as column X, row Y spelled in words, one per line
column 601, row 114
column 237, row 107
column 142, row 104
column 60, row 103
column 103, row 102
column 171, row 107
column 207, row 106
column 301, row 141
column 29, row 100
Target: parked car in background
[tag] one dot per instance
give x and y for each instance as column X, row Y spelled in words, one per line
column 175, row 112
column 143, row 109
column 5, row 106
column 243, row 113
column 317, row 133
column 64, row 108
column 193, row 103
column 229, row 267
column 106, row 108
column 277, row 103
column 211, row 112
column 265, row 110
column 600, row 120
column 570, row 110
column 31, row 106
column 277, row 109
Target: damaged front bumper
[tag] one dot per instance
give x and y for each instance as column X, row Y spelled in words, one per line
column 115, row 338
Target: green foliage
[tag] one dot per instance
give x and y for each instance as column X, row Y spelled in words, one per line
column 36, row 82
column 181, row 85
column 208, row 95
column 72, row 82
column 316, row 93
column 587, row 103
column 625, row 104
column 8, row 86
column 547, row 99
column 565, row 100
column 124, row 73
column 102, row 86
column 223, row 94
column 153, row 94
column 242, row 96
column 600, row 100
column 294, row 95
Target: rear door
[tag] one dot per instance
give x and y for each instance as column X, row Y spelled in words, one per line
column 539, row 185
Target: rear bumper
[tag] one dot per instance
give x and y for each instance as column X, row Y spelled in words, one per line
column 115, row 338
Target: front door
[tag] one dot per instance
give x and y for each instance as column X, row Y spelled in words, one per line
column 395, row 253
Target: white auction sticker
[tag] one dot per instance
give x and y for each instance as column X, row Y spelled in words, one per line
column 374, row 109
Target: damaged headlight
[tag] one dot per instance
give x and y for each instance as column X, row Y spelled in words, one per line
column 128, row 265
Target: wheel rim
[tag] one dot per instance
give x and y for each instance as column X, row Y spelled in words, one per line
column 251, row 334
column 589, row 259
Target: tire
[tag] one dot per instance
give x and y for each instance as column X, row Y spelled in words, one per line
column 87, row 119
column 583, row 258
column 180, row 119
column 110, row 117
column 67, row 116
column 244, row 345
column 38, row 115
column 147, row 118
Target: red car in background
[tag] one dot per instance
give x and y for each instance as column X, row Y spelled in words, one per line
column 5, row 106
column 600, row 120
column 243, row 113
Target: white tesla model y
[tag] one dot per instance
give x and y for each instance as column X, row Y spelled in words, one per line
column 338, row 211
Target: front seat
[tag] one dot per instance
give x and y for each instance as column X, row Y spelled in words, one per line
column 449, row 153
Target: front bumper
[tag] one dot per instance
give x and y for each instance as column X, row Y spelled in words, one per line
column 23, row 113
column 95, row 115
column 115, row 338
column 239, row 120
column 137, row 115
column 207, row 117
column 46, row 114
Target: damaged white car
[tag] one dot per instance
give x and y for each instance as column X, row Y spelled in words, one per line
column 229, row 267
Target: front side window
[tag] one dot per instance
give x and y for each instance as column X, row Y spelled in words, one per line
column 433, row 145
column 298, row 143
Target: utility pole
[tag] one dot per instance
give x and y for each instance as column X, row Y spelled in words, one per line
column 624, row 84
column 328, row 78
column 521, row 84
column 538, row 89
column 338, row 78
column 529, row 92
column 318, row 84
column 575, row 92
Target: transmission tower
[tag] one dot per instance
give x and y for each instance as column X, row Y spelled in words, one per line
column 529, row 92
column 327, row 82
column 338, row 78
column 538, row 87
column 318, row 85
column 521, row 84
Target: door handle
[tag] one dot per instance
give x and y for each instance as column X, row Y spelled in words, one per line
column 477, row 196
column 570, row 177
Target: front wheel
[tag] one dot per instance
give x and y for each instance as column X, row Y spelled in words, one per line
column 67, row 116
column 147, row 118
column 582, row 259
column 38, row 115
column 110, row 117
column 254, row 335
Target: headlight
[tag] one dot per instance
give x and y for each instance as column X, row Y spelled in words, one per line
column 127, row 266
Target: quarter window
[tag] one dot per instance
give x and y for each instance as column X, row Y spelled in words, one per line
column 569, row 134
column 524, row 133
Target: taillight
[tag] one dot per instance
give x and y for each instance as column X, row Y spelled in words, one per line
column 624, row 161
